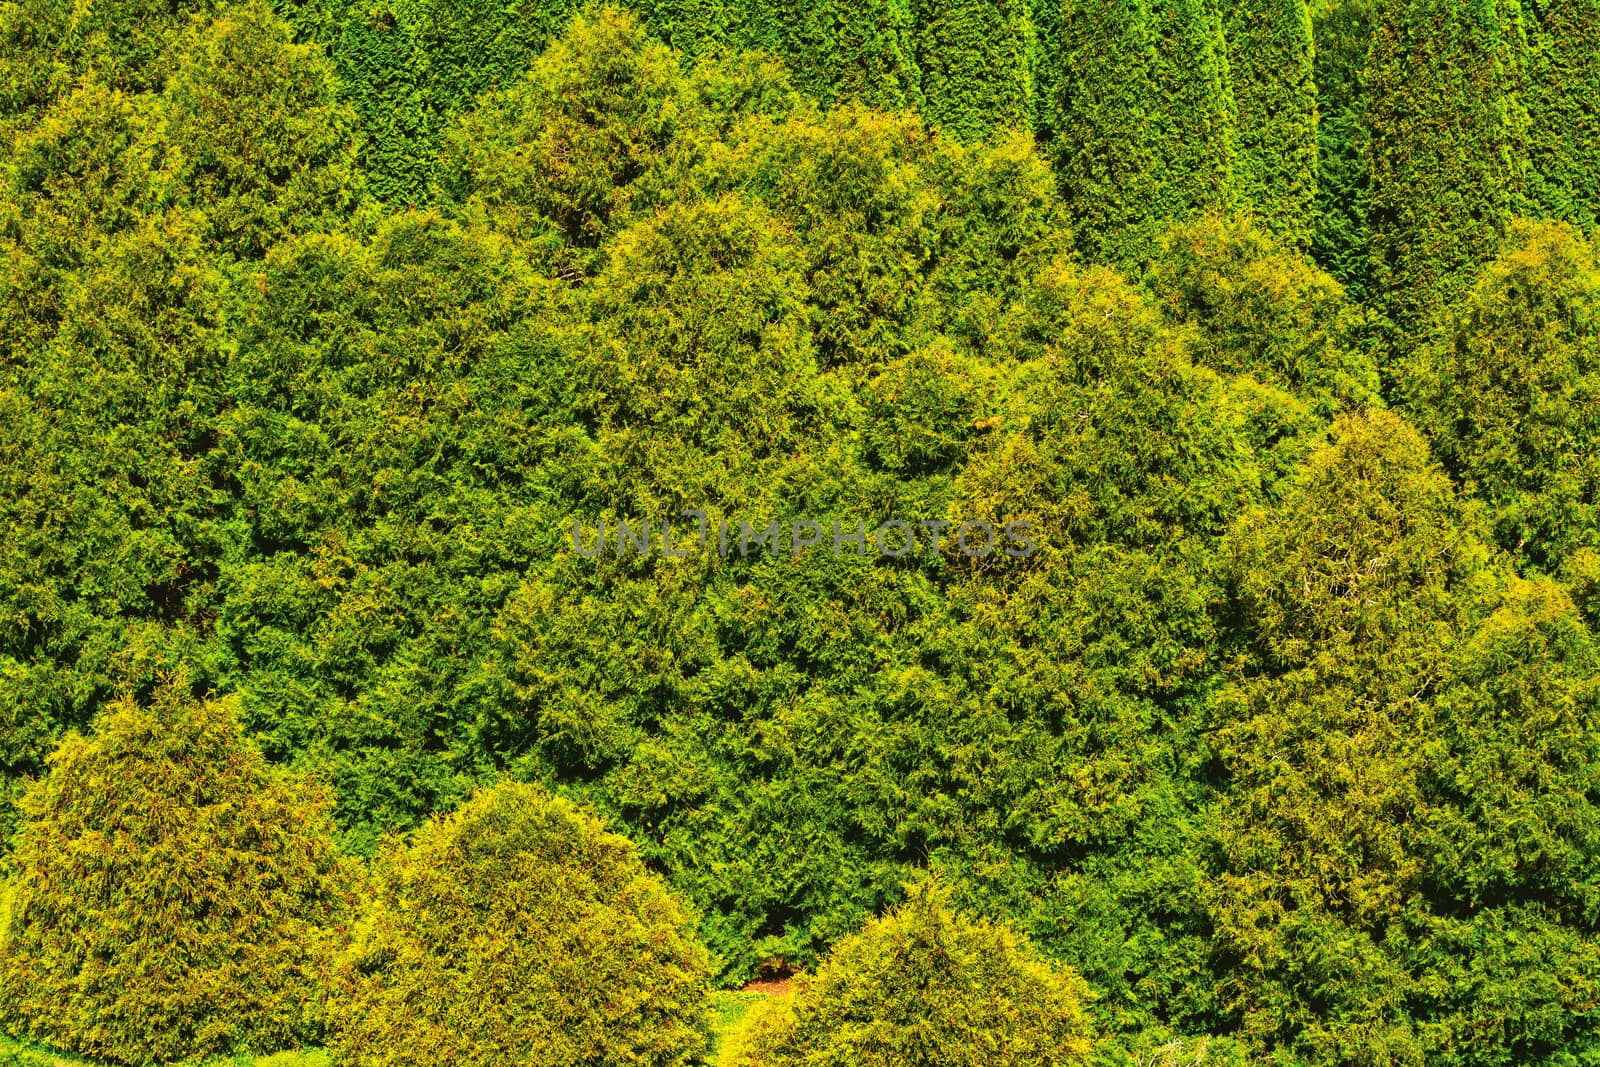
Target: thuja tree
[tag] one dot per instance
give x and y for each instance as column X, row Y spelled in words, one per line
column 1448, row 151
column 1146, row 123
column 1261, row 309
column 1563, row 98
column 1341, row 228
column 517, row 929
column 1510, row 393
column 175, row 895
column 975, row 60
column 924, row 985
column 1270, row 63
column 1406, row 830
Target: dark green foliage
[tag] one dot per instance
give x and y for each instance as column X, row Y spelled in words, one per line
column 175, row 896
column 469, row 47
column 588, row 958
column 1147, row 123
column 1448, row 152
column 1342, row 31
column 1261, row 310
column 384, row 77
column 922, row 985
column 1563, row 99
column 975, row 58
column 1510, row 393
column 1270, row 58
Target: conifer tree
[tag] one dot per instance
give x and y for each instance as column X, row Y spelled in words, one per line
column 1563, row 98
column 262, row 143
column 1342, row 30
column 1510, row 393
column 926, row 986
column 1147, row 120
column 1448, row 151
column 975, row 56
column 176, row 896
column 1270, row 63
column 518, row 929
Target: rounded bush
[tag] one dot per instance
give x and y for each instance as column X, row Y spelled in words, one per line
column 174, row 895
column 924, row 986
column 518, row 930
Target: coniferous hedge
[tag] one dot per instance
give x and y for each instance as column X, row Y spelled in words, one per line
column 174, row 895
column 518, row 929
column 1448, row 151
column 317, row 336
column 1270, row 60
column 1146, row 123
column 923, row 985
column 1563, row 100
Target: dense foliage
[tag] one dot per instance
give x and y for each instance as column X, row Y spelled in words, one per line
column 922, row 985
column 175, row 895
column 325, row 329
column 518, row 929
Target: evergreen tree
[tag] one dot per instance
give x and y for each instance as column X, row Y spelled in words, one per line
column 1351, row 591
column 1261, row 310
column 922, row 985
column 518, row 929
column 1563, row 99
column 1510, row 393
column 1448, row 152
column 975, row 58
column 262, row 144
column 176, row 896
column 383, row 75
column 1271, row 65
column 1341, row 235
column 1147, row 120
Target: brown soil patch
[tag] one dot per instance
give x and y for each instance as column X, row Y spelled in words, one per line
column 772, row 987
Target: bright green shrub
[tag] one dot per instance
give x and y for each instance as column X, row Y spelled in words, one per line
column 923, row 985
column 1262, row 310
column 1563, row 99
column 517, row 929
column 701, row 380
column 1510, row 393
column 175, row 896
column 1271, row 68
column 46, row 46
column 265, row 148
column 1352, row 591
column 974, row 57
column 1146, row 125
column 557, row 156
column 1447, row 150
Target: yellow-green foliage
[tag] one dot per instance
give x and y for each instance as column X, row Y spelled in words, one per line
column 927, row 987
column 175, row 896
column 1510, row 392
column 518, row 930
column 1261, row 309
column 265, row 147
